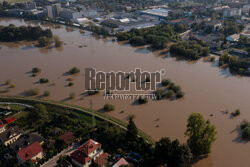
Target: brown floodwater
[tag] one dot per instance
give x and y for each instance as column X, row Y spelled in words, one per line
column 208, row 89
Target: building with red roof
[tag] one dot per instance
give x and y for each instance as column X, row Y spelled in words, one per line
column 68, row 137
column 88, row 152
column 101, row 160
column 31, row 152
column 9, row 119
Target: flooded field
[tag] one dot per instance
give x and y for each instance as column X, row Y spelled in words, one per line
column 208, row 89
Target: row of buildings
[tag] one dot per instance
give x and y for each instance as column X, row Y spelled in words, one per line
column 28, row 147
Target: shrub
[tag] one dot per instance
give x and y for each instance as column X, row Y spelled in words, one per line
column 57, row 41
column 7, row 82
column 179, row 94
column 74, row 70
column 70, row 84
column 43, row 80
column 36, row 70
column 165, row 82
column 70, row 79
column 245, row 128
column 142, row 100
column 171, row 85
column 72, row 95
column 160, row 93
column 246, row 133
column 46, row 93
column 12, row 86
column 175, row 88
column 93, row 92
column 236, row 113
column 44, row 41
column 31, row 92
column 108, row 107
column 170, row 94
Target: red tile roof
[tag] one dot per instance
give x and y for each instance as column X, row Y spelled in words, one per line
column 80, row 157
column 30, row 151
column 89, row 146
column 9, row 119
column 68, row 137
column 102, row 159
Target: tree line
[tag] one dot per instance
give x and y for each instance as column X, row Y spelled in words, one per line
column 157, row 36
column 12, row 33
column 191, row 50
column 235, row 64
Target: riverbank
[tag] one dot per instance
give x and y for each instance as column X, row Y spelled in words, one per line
column 88, row 112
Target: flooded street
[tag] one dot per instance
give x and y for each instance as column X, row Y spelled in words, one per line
column 208, row 89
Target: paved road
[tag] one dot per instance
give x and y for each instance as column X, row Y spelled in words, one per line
column 67, row 151
column 20, row 104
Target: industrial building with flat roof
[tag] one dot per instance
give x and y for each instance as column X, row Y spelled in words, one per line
column 158, row 12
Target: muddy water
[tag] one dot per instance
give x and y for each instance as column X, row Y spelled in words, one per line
column 208, row 89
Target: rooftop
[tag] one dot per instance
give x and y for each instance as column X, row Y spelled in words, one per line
column 26, row 140
column 9, row 119
column 89, row 146
column 10, row 133
column 121, row 162
column 30, row 151
column 157, row 11
column 80, row 157
column 102, row 159
column 67, row 137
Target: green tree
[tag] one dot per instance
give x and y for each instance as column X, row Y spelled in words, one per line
column 173, row 153
column 201, row 134
column 132, row 131
column 44, row 41
column 39, row 114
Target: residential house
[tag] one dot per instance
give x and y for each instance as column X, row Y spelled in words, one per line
column 87, row 153
column 26, row 140
column 31, row 152
column 68, row 138
column 10, row 135
column 233, row 38
column 9, row 119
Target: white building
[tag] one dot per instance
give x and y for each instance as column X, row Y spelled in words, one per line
column 158, row 12
column 232, row 12
column 233, row 38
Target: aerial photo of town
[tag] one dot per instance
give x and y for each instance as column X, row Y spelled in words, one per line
column 124, row 83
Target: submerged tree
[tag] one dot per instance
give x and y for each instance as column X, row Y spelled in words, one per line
column 201, row 134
